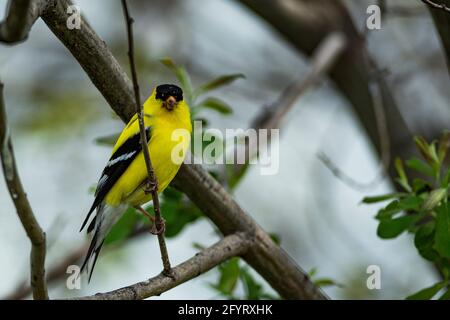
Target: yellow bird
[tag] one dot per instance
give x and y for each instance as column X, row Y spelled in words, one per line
column 168, row 127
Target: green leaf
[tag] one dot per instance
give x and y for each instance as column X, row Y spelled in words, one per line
column 445, row 295
column 123, row 228
column 427, row 293
column 275, row 237
column 424, row 241
column 444, row 144
column 391, row 209
column 402, row 180
column 217, row 83
column 420, row 166
column 380, row 198
column 326, row 282
column 428, row 151
column 391, row 228
column 312, row 272
column 229, row 276
column 442, row 236
column 216, row 105
column 446, row 179
column 434, row 198
column 252, row 288
column 396, row 206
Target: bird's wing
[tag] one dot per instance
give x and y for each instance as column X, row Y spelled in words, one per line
column 127, row 147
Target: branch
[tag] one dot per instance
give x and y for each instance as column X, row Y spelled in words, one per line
column 152, row 186
column 441, row 17
column 24, row 211
column 20, row 16
column 272, row 262
column 226, row 248
column 439, row 6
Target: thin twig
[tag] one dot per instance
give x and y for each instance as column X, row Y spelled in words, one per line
column 24, row 211
column 152, row 186
column 434, row 5
column 385, row 148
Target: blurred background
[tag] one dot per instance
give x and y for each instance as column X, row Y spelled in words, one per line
column 56, row 115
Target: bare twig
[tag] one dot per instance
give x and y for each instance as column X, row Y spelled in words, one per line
column 228, row 247
column 434, row 5
column 152, row 183
column 385, row 152
column 20, row 16
column 24, row 211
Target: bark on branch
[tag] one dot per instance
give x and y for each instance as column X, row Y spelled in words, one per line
column 20, row 17
column 272, row 262
column 230, row 246
column 23, row 207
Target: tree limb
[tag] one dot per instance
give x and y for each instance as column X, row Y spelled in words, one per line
column 272, row 262
column 20, row 17
column 24, row 211
column 228, row 247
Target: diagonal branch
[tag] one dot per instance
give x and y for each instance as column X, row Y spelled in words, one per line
column 152, row 186
column 230, row 246
column 24, row 211
column 20, row 16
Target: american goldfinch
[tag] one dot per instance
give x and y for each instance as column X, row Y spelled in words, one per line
column 124, row 178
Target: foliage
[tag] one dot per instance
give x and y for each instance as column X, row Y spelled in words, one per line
column 422, row 208
column 233, row 272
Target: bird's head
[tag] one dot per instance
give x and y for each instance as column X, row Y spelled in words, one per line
column 168, row 96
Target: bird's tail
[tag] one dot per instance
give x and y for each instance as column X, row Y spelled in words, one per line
column 102, row 223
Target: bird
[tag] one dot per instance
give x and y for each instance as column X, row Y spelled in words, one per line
column 124, row 179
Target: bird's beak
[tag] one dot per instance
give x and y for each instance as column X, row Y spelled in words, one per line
column 170, row 103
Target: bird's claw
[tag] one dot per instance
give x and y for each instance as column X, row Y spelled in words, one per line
column 162, row 228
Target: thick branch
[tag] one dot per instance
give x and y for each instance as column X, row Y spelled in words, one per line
column 265, row 256
column 24, row 211
column 20, row 17
column 228, row 247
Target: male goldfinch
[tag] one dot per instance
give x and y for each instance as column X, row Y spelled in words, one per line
column 124, row 178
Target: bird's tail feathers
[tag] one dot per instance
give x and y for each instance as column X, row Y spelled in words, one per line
column 104, row 220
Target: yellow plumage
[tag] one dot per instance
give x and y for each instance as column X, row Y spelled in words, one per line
column 162, row 123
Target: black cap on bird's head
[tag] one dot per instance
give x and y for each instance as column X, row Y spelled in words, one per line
column 170, row 94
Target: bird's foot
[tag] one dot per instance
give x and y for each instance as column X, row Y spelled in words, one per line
column 151, row 187
column 157, row 230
